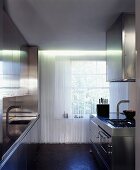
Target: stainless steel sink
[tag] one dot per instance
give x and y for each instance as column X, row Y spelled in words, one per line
column 19, row 122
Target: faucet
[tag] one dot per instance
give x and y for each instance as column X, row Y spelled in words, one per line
column 118, row 104
column 8, row 110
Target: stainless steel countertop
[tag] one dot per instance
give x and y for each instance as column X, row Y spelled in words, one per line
column 110, row 129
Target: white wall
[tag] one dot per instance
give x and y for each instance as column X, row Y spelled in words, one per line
column 132, row 95
column 118, row 91
column 137, row 140
column 122, row 91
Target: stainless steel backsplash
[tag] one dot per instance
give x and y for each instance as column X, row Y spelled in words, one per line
column 18, row 68
column 26, row 95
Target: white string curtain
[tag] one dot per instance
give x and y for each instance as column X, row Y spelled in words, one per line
column 62, row 86
column 47, row 84
column 55, row 97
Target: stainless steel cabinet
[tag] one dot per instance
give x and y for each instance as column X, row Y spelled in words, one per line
column 31, row 142
column 113, row 148
column 18, row 160
column 100, row 145
column 25, row 154
column 12, row 54
column 121, row 55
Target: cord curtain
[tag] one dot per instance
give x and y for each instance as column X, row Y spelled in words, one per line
column 55, row 97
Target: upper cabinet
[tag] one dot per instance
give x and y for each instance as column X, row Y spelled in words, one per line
column 12, row 44
column 121, row 53
column 13, row 54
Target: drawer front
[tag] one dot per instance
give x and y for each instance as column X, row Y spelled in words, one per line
column 94, row 132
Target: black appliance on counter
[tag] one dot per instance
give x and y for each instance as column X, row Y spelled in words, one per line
column 103, row 110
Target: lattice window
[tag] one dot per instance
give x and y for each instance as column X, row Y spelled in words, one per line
column 88, row 85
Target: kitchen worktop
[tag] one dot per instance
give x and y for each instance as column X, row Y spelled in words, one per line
column 112, row 115
column 113, row 131
column 12, row 133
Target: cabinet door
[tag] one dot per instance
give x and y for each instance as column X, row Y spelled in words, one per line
column 18, row 160
column 10, row 55
column 31, row 141
column 94, row 132
column 25, row 154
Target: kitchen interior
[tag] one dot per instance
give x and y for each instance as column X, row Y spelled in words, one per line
column 69, row 91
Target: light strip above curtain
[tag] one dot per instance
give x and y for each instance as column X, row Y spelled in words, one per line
column 76, row 54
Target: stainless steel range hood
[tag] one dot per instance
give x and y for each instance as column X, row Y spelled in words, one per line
column 121, row 53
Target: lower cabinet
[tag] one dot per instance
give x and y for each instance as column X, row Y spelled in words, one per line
column 99, row 144
column 31, row 143
column 112, row 150
column 18, row 160
column 24, row 156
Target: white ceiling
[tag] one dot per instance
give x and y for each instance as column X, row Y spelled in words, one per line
column 66, row 24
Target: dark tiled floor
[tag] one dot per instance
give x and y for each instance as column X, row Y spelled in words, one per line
column 64, row 157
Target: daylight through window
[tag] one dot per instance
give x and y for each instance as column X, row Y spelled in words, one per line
column 88, row 85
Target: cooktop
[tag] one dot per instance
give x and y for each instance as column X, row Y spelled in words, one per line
column 122, row 122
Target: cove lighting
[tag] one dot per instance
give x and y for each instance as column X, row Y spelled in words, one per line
column 72, row 53
column 9, row 52
column 114, row 52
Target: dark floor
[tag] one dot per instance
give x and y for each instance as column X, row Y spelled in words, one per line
column 64, row 157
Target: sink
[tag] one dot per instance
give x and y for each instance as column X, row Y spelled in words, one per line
column 19, row 122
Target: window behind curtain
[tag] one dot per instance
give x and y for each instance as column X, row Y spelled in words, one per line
column 88, row 85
